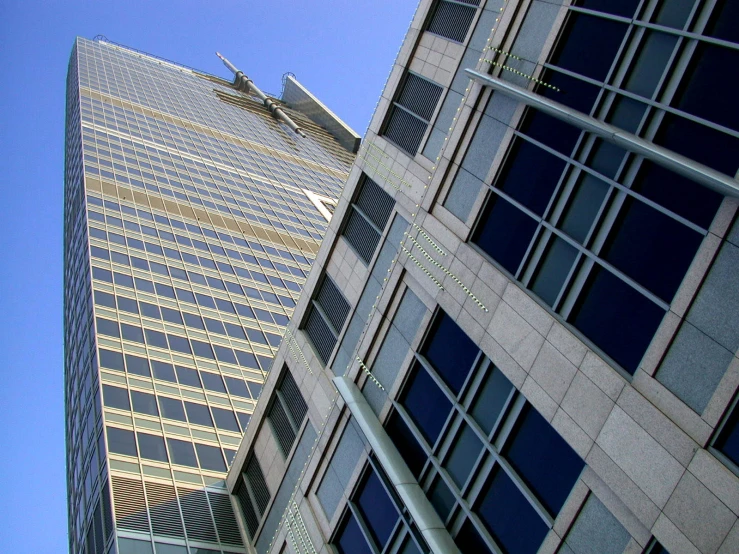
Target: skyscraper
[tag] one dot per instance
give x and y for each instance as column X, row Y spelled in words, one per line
column 521, row 333
column 193, row 211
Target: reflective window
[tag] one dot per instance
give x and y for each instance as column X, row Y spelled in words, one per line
column 144, row 403
column 116, row 397
column 182, row 452
column 420, row 393
column 121, row 441
column 376, row 508
column 172, row 408
column 137, row 365
column 225, row 419
column 210, row 457
column 198, row 414
column 152, row 447
column 450, row 352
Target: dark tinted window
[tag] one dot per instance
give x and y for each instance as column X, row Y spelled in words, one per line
column 588, row 45
column 243, row 419
column 107, row 327
column 173, row 316
column 152, row 447
column 237, row 387
column 420, row 393
column 530, row 175
column 144, row 403
column 350, row 539
column 116, row 397
column 728, row 440
column 211, row 381
column 504, row 233
column 469, row 540
column 198, row 414
column 651, row 247
column 172, row 408
column 616, row 318
column 406, row 443
column 182, row 453
column 544, row 460
column 202, row 349
column 121, row 441
column 192, row 320
column 163, row 371
column 132, row 333
column 137, row 365
column 111, row 360
column 210, row 457
column 225, row 419
column 127, row 305
column 377, row 509
column 179, row 344
column 150, row 310
column 624, row 8
column 155, row 338
column 187, row 376
column 450, row 352
column 509, row 517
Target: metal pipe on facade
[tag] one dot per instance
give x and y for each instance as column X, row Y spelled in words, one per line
column 706, row 176
column 244, row 84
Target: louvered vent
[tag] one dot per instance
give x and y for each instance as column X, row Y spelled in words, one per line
column 320, row 335
column 258, row 485
column 247, row 509
column 293, row 398
column 411, row 112
column 198, row 522
column 282, row 428
column 130, row 504
column 107, row 511
column 368, row 217
column 287, row 412
column 333, row 304
column 164, row 510
column 452, row 19
column 228, row 530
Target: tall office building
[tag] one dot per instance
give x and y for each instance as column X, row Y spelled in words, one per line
column 521, row 332
column 193, row 211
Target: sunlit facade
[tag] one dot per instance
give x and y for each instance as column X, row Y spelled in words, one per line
column 192, row 218
column 521, row 334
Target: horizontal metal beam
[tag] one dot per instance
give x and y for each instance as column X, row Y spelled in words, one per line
column 414, row 499
column 704, row 175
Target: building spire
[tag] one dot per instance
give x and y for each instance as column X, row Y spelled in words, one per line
column 243, row 83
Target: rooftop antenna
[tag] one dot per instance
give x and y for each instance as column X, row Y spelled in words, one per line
column 243, row 83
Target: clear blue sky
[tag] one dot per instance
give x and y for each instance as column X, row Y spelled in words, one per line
column 342, row 50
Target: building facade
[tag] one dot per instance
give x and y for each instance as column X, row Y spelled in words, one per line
column 521, row 332
column 192, row 218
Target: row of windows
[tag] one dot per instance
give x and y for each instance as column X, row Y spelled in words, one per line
column 168, row 291
column 206, row 263
column 247, row 187
column 175, row 224
column 609, row 257
column 150, row 310
column 176, row 451
column 172, row 408
column 489, row 462
column 136, row 365
column 175, row 343
column 187, row 319
column 190, row 377
column 128, row 169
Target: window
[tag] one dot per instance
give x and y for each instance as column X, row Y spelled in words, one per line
column 210, row 457
column 182, row 453
column 411, row 112
column 198, row 414
column 144, row 403
column 121, row 441
column 368, row 216
column 172, row 408
column 326, row 318
column 253, row 495
column 116, row 397
column 480, row 421
column 287, row 412
column 225, row 419
column 452, row 19
column 152, row 447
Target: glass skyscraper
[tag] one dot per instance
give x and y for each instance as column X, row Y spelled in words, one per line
column 192, row 218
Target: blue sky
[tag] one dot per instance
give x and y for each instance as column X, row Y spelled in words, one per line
column 341, row 50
